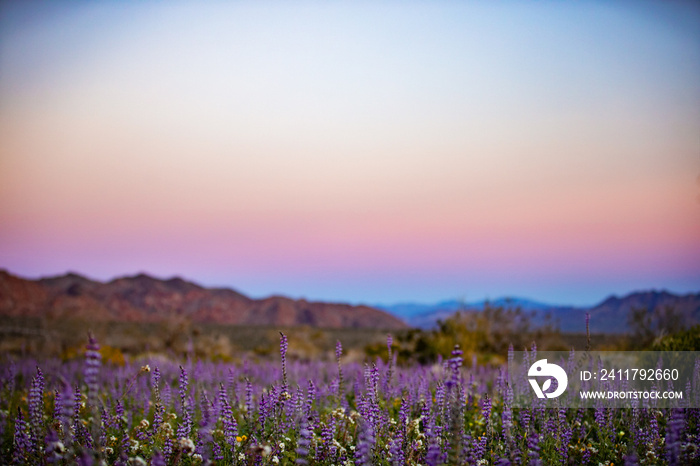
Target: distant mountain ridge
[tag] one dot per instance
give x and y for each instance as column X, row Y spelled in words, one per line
column 608, row 316
column 142, row 298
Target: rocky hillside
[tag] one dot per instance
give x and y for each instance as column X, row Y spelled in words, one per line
column 142, row 298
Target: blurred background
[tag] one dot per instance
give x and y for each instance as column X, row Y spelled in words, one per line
column 385, row 154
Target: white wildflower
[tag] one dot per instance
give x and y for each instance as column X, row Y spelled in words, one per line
column 187, row 445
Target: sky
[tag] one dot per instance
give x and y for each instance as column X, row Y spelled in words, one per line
column 364, row 152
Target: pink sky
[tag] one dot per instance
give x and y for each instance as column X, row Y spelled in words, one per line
column 319, row 155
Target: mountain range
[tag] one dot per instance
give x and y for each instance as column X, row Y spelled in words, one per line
column 608, row 316
column 142, row 298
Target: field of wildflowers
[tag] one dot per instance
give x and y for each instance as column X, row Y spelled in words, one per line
column 161, row 412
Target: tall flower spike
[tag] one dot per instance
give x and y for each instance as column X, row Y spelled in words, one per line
column 186, row 425
column 77, row 401
column 159, row 410
column 365, row 445
column 338, row 350
column 389, row 342
column 58, row 412
column 304, row 443
column 454, row 363
column 22, row 443
column 283, row 352
column 36, row 409
column 338, row 354
column 93, row 360
column 229, row 421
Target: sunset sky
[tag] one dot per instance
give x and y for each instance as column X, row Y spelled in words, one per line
column 355, row 151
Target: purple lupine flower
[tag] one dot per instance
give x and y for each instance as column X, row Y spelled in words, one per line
column 565, row 436
column 674, row 432
column 22, row 444
column 54, row 447
column 552, row 422
column 338, row 354
column 434, row 456
column 85, row 459
column 157, row 459
column 206, row 410
column 579, row 422
column 93, row 360
column 338, row 350
column 327, row 434
column 653, row 430
column 486, row 409
column 104, row 417
column 119, row 411
column 480, row 448
column 217, row 452
column 229, row 421
column 599, row 415
column 440, row 400
column 525, row 416
column 248, row 400
column 58, row 412
column 507, row 414
column 167, row 450
column 533, row 447
column 631, row 459
column 303, row 443
column 159, row 410
column 204, row 435
column 36, row 409
column 284, row 346
column 310, row 397
column 365, row 444
column 586, row 457
column 231, row 378
column 293, row 407
column 371, row 409
column 184, row 383
column 454, row 363
column 166, row 394
column 263, row 410
column 185, row 427
column 397, row 442
column 77, row 403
